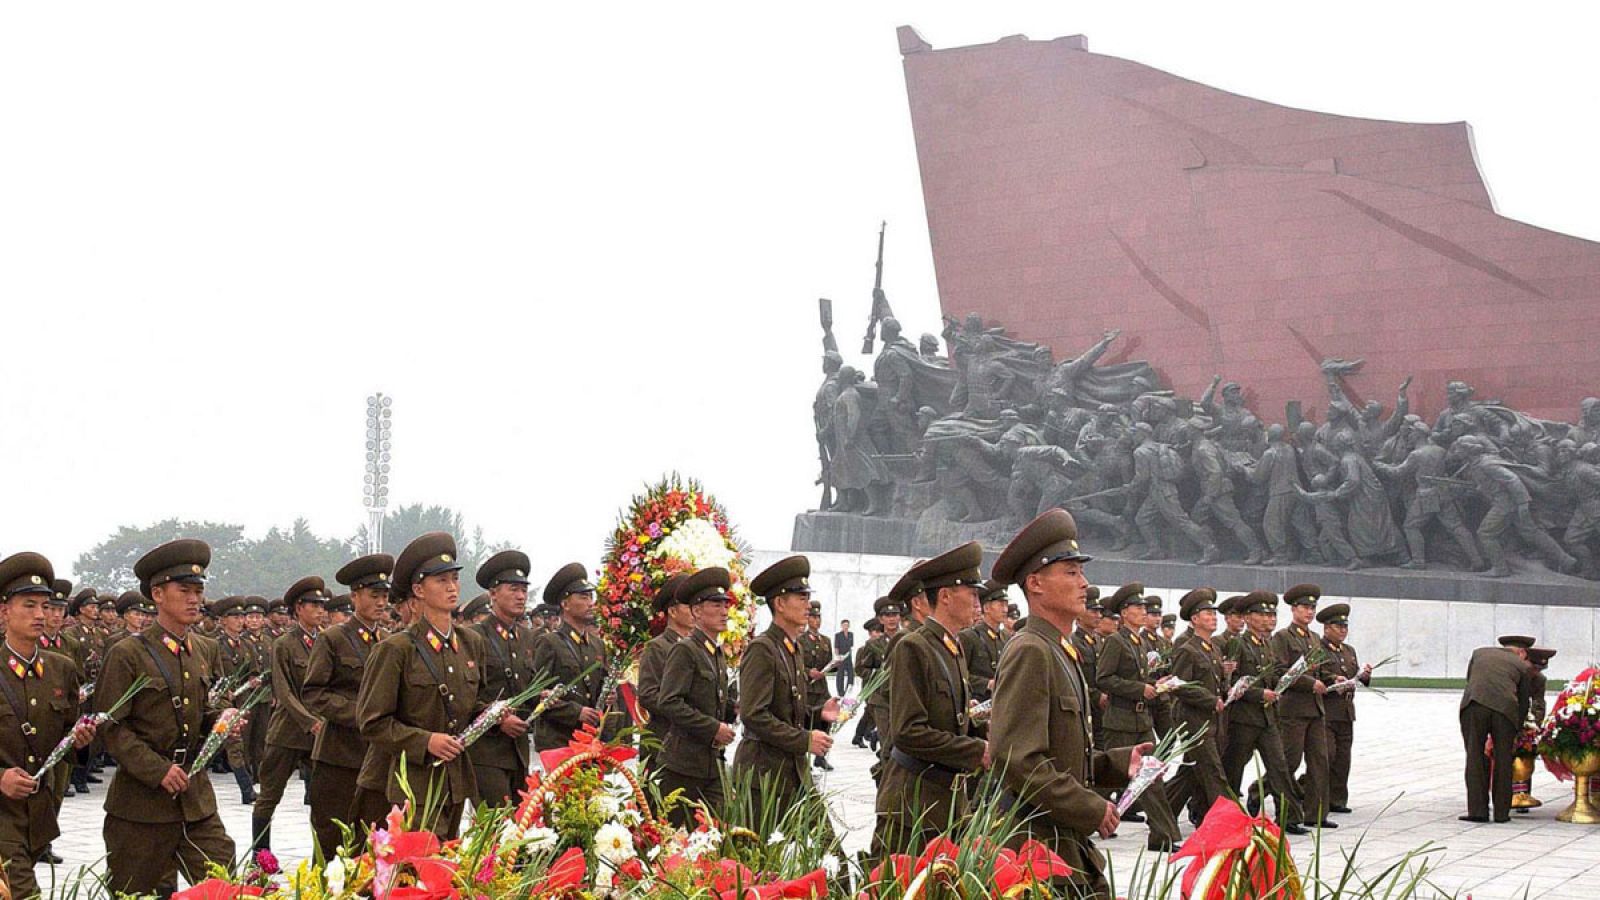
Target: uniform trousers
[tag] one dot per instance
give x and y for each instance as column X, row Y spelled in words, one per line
column 368, row 808
column 499, row 787
column 1245, row 740
column 695, row 790
column 1479, row 724
column 1158, row 815
column 1199, row 784
column 333, row 790
column 1307, row 739
column 1341, row 737
column 146, row 857
column 277, row 767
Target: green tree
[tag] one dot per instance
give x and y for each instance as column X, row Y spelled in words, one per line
column 269, row 565
column 109, row 565
column 406, row 523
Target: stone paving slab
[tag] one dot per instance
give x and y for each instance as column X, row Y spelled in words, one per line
column 1406, row 790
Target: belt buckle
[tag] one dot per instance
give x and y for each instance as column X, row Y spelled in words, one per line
column 29, row 729
column 1139, row 707
column 180, row 755
column 177, row 703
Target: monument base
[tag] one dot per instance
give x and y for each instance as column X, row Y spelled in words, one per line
column 827, row 532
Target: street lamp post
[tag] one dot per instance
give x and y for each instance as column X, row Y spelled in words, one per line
column 377, row 478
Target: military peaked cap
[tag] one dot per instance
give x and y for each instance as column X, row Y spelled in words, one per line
column 1540, row 656
column 949, row 569
column 993, row 591
column 132, row 600
column 1197, row 600
column 255, row 605
column 790, row 575
column 1233, row 606
column 705, row 584
column 182, row 560
column 1130, row 594
column 1257, row 602
column 228, row 606
column 309, row 589
column 81, row 599
column 1517, row 640
column 1051, row 538
column 1169, row 620
column 505, row 567
column 571, row 578
column 59, row 589
column 428, row 554
column 26, row 573
column 886, row 606
column 666, row 595
column 1336, row 614
column 1303, row 595
column 477, row 606
column 370, row 571
column 341, row 604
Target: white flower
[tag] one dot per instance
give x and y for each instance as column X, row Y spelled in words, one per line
column 830, row 864
column 702, row 843
column 613, row 844
column 618, row 785
column 777, row 837
column 697, row 542
column 541, row 839
column 333, row 875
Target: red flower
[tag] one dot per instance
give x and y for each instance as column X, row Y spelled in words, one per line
column 1034, row 862
column 1227, row 832
column 565, row 874
column 217, row 889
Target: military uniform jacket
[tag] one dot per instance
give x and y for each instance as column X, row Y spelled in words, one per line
column 507, row 671
column 1299, row 700
column 818, row 653
column 69, row 646
column 872, row 656
column 1088, row 646
column 652, row 661
column 291, row 721
column 929, row 698
column 562, row 655
column 1122, row 672
column 695, row 698
column 1041, row 741
column 1499, row 680
column 1251, row 707
column 1198, row 661
column 773, row 708
column 236, row 655
column 419, row 683
column 332, row 686
column 1342, row 663
column 981, row 646
column 163, row 724
column 37, row 710
column 93, row 639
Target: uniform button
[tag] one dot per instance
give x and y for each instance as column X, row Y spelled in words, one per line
column 450, row 669
column 33, row 701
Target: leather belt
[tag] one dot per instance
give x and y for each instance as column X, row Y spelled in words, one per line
column 944, row 776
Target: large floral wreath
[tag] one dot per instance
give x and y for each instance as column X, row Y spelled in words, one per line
column 673, row 527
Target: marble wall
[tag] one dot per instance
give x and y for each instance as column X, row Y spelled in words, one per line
column 1433, row 639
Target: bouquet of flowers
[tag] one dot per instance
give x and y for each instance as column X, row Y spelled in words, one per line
column 675, row 526
column 228, row 723
column 1316, row 656
column 559, row 693
column 1159, row 763
column 1571, row 731
column 1350, row 684
column 1239, row 688
column 250, row 685
column 63, row 746
column 497, row 711
column 850, row 707
column 222, row 689
column 1166, row 684
column 85, row 691
column 980, row 713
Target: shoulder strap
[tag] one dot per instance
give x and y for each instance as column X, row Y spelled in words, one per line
column 166, row 679
column 25, row 726
column 350, row 636
column 422, row 652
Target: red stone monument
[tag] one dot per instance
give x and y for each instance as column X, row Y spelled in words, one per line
column 1069, row 192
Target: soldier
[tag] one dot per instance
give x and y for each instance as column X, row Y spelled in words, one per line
column 293, row 731
column 982, row 642
column 921, row 794
column 866, row 733
column 1302, row 717
column 54, row 639
column 84, row 610
column 500, row 759
column 236, row 660
column 1087, row 639
column 258, row 646
column 871, row 658
column 420, row 689
column 474, row 611
column 679, row 621
column 161, row 821
column 1198, row 660
column 332, row 686
column 134, row 613
column 817, row 653
column 1122, row 672
column 278, row 619
column 41, row 707
column 696, row 700
column 1252, row 720
column 772, row 705
column 564, row 654
column 906, row 595
column 340, row 608
column 1158, row 661
column 1043, row 750
column 1342, row 667
column 1493, row 706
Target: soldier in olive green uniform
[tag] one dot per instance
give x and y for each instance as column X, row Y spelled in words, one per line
column 236, row 660
column 294, row 729
column 653, row 660
column 905, row 595
column 871, row 658
column 1122, row 672
column 56, row 641
column 1301, row 714
column 696, row 701
column 566, row 653
column 1342, row 666
column 160, row 820
column 1197, row 659
column 331, row 688
column 1087, row 639
column 816, row 653
column 982, row 641
column 258, row 650
column 1253, row 719
column 500, row 759
column 39, row 708
column 772, row 703
column 1157, row 666
column 84, row 611
column 935, row 746
column 420, row 689
column 1040, row 735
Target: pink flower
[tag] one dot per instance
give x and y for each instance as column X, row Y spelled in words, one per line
column 267, row 862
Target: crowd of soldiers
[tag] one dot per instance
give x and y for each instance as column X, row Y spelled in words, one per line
column 999, row 432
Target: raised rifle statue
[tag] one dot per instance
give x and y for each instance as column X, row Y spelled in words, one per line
column 880, row 300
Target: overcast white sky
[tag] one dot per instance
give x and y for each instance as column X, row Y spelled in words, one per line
column 580, row 244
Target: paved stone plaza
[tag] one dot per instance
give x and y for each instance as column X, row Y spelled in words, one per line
column 1408, row 759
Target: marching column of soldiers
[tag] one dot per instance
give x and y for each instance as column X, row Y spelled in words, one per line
column 378, row 698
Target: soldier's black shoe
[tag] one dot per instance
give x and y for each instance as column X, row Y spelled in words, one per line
column 1298, row 830
column 1253, row 805
column 50, row 857
column 858, row 742
column 1155, row 846
column 1339, row 809
column 1326, row 823
column 93, row 780
column 1479, row 819
column 69, row 792
column 823, row 764
column 1133, row 816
